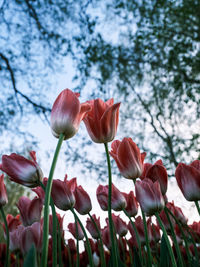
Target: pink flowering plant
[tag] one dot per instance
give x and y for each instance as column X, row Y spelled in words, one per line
column 155, row 232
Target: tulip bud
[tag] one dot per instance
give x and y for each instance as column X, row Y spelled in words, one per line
column 73, row 230
column 82, row 201
column 132, row 204
column 91, row 227
column 3, row 192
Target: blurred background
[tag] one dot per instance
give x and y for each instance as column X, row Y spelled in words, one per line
column 144, row 53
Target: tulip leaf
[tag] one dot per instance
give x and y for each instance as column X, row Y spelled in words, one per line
column 30, row 259
column 164, row 254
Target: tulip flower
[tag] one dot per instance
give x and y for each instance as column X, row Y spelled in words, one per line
column 3, row 192
column 128, row 158
column 21, row 170
column 73, row 231
column 156, row 172
column 82, row 201
column 102, row 120
column 67, row 114
column 30, row 210
column 120, row 226
column 132, row 204
column 118, row 201
column 149, row 195
column 188, row 179
column 91, row 227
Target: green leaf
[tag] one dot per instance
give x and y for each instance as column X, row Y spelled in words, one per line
column 30, row 259
column 164, row 254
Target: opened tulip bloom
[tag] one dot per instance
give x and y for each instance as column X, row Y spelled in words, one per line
column 67, row 114
column 188, row 179
column 149, row 195
column 3, row 192
column 128, row 158
column 21, row 170
column 102, row 120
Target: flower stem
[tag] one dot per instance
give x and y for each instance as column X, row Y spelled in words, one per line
column 197, row 205
column 46, row 203
column 77, row 244
column 103, row 261
column 174, row 239
column 89, row 251
column 147, row 239
column 7, row 238
column 173, row 261
column 112, row 238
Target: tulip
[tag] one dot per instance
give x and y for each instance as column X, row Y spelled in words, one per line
column 195, row 231
column 62, row 193
column 91, row 227
column 102, row 120
column 82, row 201
column 128, row 158
column 120, row 226
column 73, row 231
column 3, row 192
column 132, row 204
column 67, row 114
column 30, row 210
column 106, row 237
column 188, row 179
column 149, row 195
column 118, row 201
column 156, row 172
column 21, row 170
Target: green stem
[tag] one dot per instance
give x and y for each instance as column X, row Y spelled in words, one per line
column 7, row 238
column 77, row 244
column 103, row 261
column 197, row 206
column 130, row 252
column 112, row 238
column 47, row 202
column 147, row 239
column 173, row 261
column 59, row 247
column 136, row 234
column 89, row 251
column 174, row 239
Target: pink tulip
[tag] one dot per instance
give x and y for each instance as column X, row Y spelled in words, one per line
column 120, row 226
column 91, row 227
column 67, row 114
column 30, row 210
column 73, row 231
column 3, row 192
column 82, row 201
column 188, row 179
column 156, row 172
column 21, row 170
column 132, row 204
column 102, row 120
column 128, row 158
column 149, row 195
column 118, row 201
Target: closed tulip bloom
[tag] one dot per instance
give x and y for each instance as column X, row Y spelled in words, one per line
column 3, row 192
column 106, row 237
column 118, row 201
column 149, row 195
column 21, row 170
column 82, row 201
column 91, row 227
column 156, row 172
column 120, row 226
column 188, row 179
column 102, row 120
column 132, row 204
column 67, row 114
column 62, row 194
column 128, row 158
column 73, row 231
column 30, row 210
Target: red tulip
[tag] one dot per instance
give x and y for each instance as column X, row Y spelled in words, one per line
column 149, row 195
column 67, row 114
column 21, row 170
column 62, row 193
column 106, row 237
column 156, row 172
column 128, row 158
column 82, row 201
column 73, row 231
column 120, row 226
column 91, row 227
column 118, row 201
column 102, row 120
column 3, row 192
column 30, row 210
column 132, row 204
column 195, row 231
column 188, row 179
